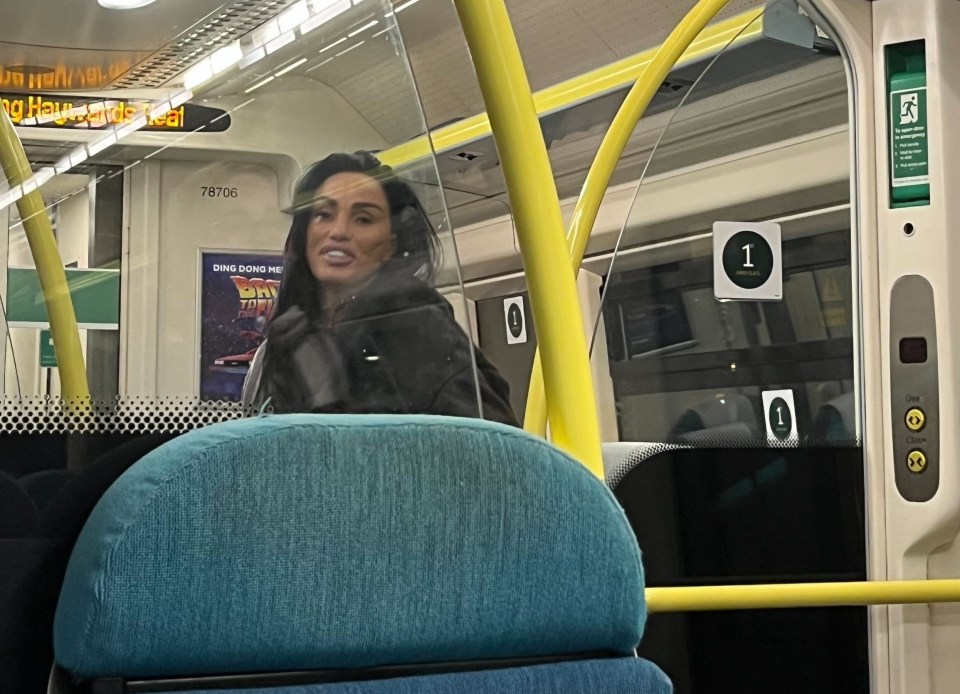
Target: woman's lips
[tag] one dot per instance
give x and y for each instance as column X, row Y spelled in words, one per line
column 337, row 257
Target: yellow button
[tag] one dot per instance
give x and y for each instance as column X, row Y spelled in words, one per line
column 916, row 419
column 917, row 461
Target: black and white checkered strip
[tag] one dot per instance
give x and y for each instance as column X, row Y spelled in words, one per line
column 44, row 415
column 642, row 452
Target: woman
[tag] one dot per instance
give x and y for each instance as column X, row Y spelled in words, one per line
column 357, row 327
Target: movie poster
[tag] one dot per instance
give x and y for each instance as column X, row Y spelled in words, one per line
column 236, row 297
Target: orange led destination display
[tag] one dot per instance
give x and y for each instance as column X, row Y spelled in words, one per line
column 66, row 112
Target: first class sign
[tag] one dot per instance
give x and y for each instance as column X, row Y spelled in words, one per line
column 67, row 112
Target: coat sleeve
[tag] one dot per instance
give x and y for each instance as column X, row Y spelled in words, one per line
column 425, row 363
column 457, row 396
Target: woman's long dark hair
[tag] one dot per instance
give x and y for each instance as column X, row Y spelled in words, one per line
column 417, row 245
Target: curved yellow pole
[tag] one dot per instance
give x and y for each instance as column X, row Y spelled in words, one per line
column 760, row 597
column 46, row 257
column 533, row 196
column 611, row 149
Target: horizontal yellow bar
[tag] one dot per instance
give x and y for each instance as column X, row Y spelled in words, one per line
column 578, row 89
column 760, row 597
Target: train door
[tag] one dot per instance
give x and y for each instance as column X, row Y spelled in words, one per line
column 734, row 435
column 905, row 96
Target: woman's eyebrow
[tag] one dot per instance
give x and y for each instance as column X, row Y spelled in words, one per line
column 368, row 204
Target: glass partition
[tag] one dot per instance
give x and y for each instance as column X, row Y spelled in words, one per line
column 194, row 228
column 721, row 486
column 227, row 252
column 688, row 367
column 184, row 196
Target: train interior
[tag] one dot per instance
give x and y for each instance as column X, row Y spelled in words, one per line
column 166, row 142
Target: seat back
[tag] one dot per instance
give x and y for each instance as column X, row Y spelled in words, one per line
column 18, row 513
column 43, row 486
column 333, row 543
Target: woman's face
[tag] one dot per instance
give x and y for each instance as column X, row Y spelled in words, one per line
column 349, row 235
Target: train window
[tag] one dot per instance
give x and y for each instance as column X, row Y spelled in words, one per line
column 712, row 496
column 684, row 366
column 250, row 218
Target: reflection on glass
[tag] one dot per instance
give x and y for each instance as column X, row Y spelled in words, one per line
column 171, row 204
column 169, row 190
column 691, row 370
column 357, row 326
column 687, row 368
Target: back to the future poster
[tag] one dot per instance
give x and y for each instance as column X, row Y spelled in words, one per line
column 237, row 296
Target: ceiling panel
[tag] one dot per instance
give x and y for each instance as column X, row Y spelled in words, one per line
column 559, row 39
column 77, row 45
column 90, row 48
column 84, row 24
column 39, row 68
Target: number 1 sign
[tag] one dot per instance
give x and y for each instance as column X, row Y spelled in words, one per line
column 780, row 414
column 747, row 263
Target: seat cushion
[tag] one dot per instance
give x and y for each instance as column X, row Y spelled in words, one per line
column 614, row 676
column 310, row 542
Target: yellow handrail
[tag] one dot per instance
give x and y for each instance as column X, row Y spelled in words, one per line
column 567, row 93
column 611, row 149
column 46, row 258
column 779, row 596
column 533, row 195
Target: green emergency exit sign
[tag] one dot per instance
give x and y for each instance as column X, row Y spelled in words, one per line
column 907, row 124
column 909, row 147
column 48, row 356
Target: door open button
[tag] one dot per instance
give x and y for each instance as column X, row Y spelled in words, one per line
column 916, row 419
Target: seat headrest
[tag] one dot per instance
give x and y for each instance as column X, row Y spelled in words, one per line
column 311, row 542
column 18, row 513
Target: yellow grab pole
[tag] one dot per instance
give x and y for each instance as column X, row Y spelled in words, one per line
column 46, row 258
column 611, row 149
column 761, row 597
column 533, row 196
column 536, row 414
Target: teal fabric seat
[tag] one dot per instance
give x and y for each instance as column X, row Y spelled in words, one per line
column 343, row 543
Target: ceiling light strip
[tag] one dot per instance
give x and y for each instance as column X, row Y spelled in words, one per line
column 288, row 68
column 328, row 60
column 259, row 84
column 271, row 36
column 335, row 43
column 294, row 16
column 323, row 14
column 347, row 50
column 360, row 30
column 83, row 152
column 234, row 19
